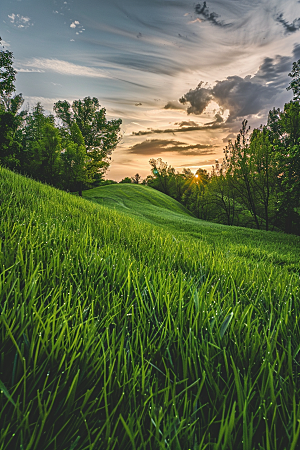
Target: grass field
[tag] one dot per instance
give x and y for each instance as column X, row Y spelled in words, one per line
column 133, row 325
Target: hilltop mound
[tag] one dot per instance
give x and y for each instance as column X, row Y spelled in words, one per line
column 138, row 200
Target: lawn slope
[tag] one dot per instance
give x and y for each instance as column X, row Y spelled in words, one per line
column 140, row 201
column 119, row 334
column 147, row 204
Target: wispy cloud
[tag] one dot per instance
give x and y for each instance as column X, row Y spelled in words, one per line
column 291, row 27
column 210, row 126
column 203, row 11
column 62, row 67
column 158, row 146
column 23, row 70
column 20, row 21
column 4, row 43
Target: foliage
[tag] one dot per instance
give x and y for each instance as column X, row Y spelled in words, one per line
column 100, row 135
column 126, row 180
column 7, row 74
column 295, row 83
column 136, row 178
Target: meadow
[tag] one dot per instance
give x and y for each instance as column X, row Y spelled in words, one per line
column 126, row 323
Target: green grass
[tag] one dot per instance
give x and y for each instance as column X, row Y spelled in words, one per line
column 149, row 205
column 144, row 329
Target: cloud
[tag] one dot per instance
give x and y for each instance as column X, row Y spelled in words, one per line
column 288, row 27
column 4, row 43
column 20, row 21
column 203, row 10
column 198, row 99
column 251, row 95
column 62, row 67
column 173, row 105
column 30, row 70
column 158, row 146
column 195, row 165
column 210, row 126
column 230, row 136
column 74, row 24
column 187, row 123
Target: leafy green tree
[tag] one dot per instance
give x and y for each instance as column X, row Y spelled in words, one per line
column 100, row 135
column 295, row 83
column 222, row 195
column 7, row 74
column 284, row 130
column 31, row 133
column 161, row 173
column 47, row 155
column 10, row 148
column 240, row 173
column 126, row 180
column 195, row 195
column 263, row 174
column 10, row 117
column 75, row 175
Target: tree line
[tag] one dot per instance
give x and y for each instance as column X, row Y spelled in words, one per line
column 257, row 183
column 70, row 150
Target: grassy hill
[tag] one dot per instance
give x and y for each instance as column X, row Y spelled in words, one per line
column 119, row 333
column 149, row 205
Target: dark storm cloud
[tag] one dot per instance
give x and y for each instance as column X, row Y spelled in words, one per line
column 288, row 27
column 198, row 99
column 203, row 11
column 157, row 146
column 243, row 96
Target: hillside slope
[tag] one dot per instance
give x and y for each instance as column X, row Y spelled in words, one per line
column 119, row 334
column 140, row 201
column 147, row 204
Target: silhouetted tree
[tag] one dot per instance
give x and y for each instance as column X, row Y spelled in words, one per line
column 136, row 178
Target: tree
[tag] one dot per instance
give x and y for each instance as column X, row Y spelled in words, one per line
column 7, row 74
column 239, row 171
column 9, row 146
column 284, row 130
column 263, row 174
column 74, row 162
column 100, row 135
column 222, row 194
column 161, row 173
column 10, row 117
column 48, row 155
column 194, row 197
column 30, row 136
column 126, row 180
column 295, row 83
column 136, row 178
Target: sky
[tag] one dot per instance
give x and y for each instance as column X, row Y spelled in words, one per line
column 181, row 75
